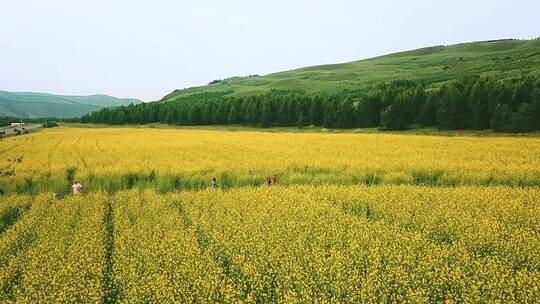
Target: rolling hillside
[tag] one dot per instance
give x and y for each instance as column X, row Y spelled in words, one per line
column 433, row 65
column 48, row 105
column 481, row 85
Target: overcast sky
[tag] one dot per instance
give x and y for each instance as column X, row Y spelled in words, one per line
column 145, row 49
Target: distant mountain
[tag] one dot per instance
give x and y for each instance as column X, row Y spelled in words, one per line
column 25, row 104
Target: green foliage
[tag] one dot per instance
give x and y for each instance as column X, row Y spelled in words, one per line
column 429, row 178
column 50, row 124
column 70, row 175
column 266, row 115
column 10, row 215
column 468, row 103
column 397, row 115
column 302, row 120
column 345, row 114
column 316, row 111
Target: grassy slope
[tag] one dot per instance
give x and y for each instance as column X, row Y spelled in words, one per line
column 435, row 65
column 40, row 104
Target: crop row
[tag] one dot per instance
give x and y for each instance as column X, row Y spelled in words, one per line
column 54, row 252
column 377, row 244
column 351, row 244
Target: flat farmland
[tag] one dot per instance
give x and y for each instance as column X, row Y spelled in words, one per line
column 353, row 218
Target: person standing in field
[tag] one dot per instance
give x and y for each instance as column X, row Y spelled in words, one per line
column 274, row 180
column 77, row 187
column 268, row 182
column 214, row 183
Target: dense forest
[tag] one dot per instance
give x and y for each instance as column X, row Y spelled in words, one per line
column 510, row 105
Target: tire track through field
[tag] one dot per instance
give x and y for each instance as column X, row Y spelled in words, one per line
column 51, row 151
column 110, row 294
column 16, row 247
column 218, row 253
column 77, row 151
column 11, row 216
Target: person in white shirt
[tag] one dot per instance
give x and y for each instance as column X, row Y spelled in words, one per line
column 77, row 187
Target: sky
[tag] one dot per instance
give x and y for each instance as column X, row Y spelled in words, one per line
column 146, row 49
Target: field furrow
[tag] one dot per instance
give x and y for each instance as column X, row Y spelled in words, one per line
column 157, row 259
column 110, row 291
column 12, row 208
column 15, row 243
column 297, row 243
column 65, row 259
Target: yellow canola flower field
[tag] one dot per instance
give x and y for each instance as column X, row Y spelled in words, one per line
column 55, row 252
column 348, row 244
column 355, row 218
column 12, row 209
column 156, row 258
column 175, row 159
column 373, row 244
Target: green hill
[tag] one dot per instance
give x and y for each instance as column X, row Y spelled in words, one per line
column 48, row 105
column 433, row 65
column 482, row 85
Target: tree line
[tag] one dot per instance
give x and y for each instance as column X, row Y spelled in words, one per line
column 510, row 105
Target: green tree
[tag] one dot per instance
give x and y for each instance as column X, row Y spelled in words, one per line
column 329, row 114
column 195, row 115
column 233, row 114
column 302, row 120
column 316, row 111
column 345, row 114
column 501, row 118
column 394, row 117
column 266, row 115
column 525, row 118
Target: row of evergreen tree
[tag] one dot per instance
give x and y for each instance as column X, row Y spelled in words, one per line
column 511, row 105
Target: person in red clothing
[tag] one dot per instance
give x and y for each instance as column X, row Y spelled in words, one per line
column 274, row 180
